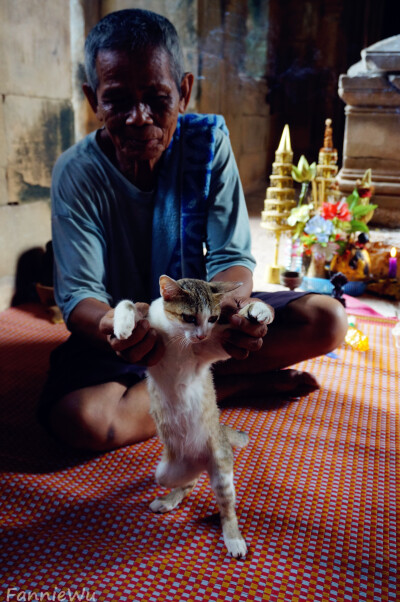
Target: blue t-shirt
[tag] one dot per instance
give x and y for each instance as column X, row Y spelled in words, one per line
column 112, row 241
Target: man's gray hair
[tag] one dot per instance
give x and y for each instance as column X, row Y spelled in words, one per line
column 133, row 30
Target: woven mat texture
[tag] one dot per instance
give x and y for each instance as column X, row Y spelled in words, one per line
column 317, row 493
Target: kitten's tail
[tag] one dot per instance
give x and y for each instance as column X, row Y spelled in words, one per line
column 235, row 438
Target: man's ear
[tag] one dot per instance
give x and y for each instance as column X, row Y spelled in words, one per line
column 91, row 97
column 186, row 90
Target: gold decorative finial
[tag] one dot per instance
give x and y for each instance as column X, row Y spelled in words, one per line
column 328, row 140
column 326, row 169
column 285, row 145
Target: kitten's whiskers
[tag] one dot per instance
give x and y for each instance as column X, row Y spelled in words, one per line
column 182, row 341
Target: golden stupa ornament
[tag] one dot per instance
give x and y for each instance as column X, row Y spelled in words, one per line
column 280, row 200
column 326, row 169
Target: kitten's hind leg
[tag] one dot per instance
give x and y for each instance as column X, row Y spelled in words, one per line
column 221, row 476
column 170, row 501
column 236, row 438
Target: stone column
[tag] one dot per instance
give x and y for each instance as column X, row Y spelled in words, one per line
column 371, row 91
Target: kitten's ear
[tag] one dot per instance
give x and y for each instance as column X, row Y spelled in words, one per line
column 169, row 288
column 221, row 288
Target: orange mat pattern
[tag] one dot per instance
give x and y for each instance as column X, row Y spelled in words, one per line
column 317, row 489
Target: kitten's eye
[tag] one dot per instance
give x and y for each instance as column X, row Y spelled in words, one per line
column 189, row 318
column 212, row 319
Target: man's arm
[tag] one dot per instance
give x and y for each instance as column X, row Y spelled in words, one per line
column 237, row 273
column 85, row 320
column 94, row 320
column 243, row 336
column 228, row 239
column 80, row 253
column 229, row 250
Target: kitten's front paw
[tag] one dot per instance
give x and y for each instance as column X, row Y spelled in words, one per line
column 258, row 312
column 124, row 319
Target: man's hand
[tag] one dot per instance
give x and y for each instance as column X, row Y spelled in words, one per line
column 144, row 346
column 243, row 336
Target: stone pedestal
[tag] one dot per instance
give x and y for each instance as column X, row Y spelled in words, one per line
column 371, row 91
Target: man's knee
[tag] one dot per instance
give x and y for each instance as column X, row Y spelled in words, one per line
column 330, row 322
column 80, row 424
column 322, row 319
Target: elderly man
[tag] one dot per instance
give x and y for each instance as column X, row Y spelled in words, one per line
column 156, row 191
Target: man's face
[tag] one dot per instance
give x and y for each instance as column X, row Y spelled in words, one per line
column 138, row 101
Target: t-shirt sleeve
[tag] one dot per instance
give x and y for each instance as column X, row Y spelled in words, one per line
column 228, row 230
column 78, row 242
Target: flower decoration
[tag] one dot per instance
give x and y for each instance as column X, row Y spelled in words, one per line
column 304, row 174
column 300, row 215
column 320, row 228
column 333, row 225
column 340, row 210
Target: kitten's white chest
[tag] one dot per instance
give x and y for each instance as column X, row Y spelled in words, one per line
column 179, row 383
column 178, row 399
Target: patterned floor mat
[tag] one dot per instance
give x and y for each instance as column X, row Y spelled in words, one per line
column 317, row 493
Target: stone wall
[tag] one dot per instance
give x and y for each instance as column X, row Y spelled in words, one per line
column 232, row 69
column 36, row 119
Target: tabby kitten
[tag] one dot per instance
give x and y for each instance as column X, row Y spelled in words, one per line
column 183, row 399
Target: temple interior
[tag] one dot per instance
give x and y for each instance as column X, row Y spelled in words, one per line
column 262, row 64
column 310, row 92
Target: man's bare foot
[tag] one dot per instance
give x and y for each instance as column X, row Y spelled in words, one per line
column 294, row 383
column 277, row 384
